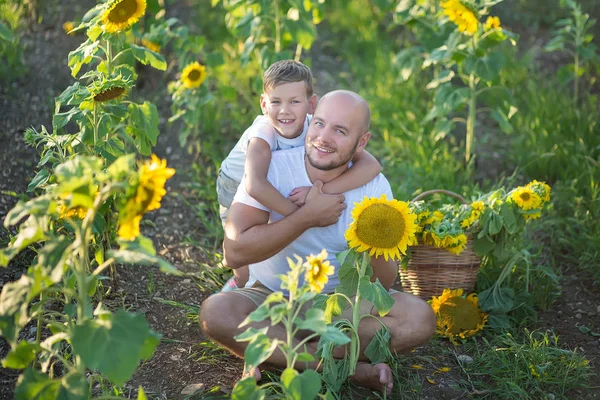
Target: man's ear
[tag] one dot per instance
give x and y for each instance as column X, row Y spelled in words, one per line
column 312, row 104
column 263, row 103
column 364, row 139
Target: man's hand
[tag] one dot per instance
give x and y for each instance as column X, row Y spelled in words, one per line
column 323, row 209
column 298, row 195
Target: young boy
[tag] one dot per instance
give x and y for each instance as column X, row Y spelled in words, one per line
column 286, row 103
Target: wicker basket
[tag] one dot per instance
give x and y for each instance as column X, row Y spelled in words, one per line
column 431, row 270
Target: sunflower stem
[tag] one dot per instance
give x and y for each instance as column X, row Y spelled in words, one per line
column 95, row 124
column 355, row 340
column 471, row 119
column 109, row 58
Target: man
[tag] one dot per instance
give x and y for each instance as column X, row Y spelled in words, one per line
column 262, row 239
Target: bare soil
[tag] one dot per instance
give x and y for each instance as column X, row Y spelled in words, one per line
column 185, row 357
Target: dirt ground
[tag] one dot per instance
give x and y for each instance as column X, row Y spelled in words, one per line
column 185, row 357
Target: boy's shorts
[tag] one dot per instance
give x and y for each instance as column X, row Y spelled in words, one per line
column 226, row 188
column 258, row 293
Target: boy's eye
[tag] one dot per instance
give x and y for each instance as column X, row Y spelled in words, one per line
column 295, row 102
column 275, row 102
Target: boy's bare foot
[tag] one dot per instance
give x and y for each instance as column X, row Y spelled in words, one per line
column 254, row 372
column 378, row 376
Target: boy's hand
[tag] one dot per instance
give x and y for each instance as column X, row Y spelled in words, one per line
column 298, row 195
column 323, row 209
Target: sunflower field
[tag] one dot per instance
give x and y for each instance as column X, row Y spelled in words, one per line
column 115, row 117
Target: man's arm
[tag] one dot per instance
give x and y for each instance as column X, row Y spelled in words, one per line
column 386, row 271
column 249, row 238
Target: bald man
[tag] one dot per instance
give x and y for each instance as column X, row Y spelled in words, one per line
column 263, row 239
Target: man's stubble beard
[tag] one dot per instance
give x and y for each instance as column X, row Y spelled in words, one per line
column 333, row 164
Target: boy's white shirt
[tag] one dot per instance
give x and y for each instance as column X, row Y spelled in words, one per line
column 286, row 172
column 233, row 165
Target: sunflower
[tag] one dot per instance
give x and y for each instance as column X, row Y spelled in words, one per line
column 463, row 17
column 317, row 271
column 492, row 23
column 526, row 198
column 68, row 27
column 73, row 212
column 542, row 189
column 150, row 45
column 150, row 190
column 456, row 244
column 193, row 75
column 383, row 227
column 122, row 14
column 477, row 208
column 457, row 317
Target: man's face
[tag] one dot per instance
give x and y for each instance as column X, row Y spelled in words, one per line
column 334, row 134
column 286, row 107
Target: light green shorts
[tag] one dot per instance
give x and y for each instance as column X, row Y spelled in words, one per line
column 226, row 188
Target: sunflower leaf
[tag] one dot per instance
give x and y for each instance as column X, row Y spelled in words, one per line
column 376, row 294
column 146, row 56
column 378, row 349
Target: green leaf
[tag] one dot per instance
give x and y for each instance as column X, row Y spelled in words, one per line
column 446, row 100
column 483, row 245
column 498, row 321
column 304, row 386
column 443, row 77
column 335, row 336
column 114, row 345
column 82, row 55
column 141, row 394
column 51, row 256
column 259, row 350
column 40, row 178
column 260, row 314
column 314, row 321
column 495, row 224
column 376, row 294
column 29, row 233
column 14, row 301
column 510, row 218
column 35, row 385
column 249, row 334
column 407, row 61
column 5, row 33
column 305, row 357
column 277, row 312
column 36, row 206
column 146, row 56
column 502, row 119
column 487, row 67
column 143, row 126
column 247, row 389
column 498, row 300
column 334, row 306
column 378, row 349
column 21, row 356
column 139, row 258
column 93, row 32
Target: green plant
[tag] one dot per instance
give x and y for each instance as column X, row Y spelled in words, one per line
column 62, row 225
column 573, row 35
column 11, row 54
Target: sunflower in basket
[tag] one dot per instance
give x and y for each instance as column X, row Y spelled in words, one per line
column 458, row 317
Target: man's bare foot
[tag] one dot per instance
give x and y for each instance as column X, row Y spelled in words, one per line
column 253, row 372
column 378, row 376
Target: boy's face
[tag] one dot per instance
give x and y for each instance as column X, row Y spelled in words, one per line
column 286, row 107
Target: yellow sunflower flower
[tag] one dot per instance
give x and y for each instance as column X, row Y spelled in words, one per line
column 150, row 45
column 456, row 244
column 463, row 17
column 382, row 227
column 122, row 14
column 457, row 317
column 150, row 190
column 526, row 198
column 477, row 208
column 68, row 27
column 73, row 212
column 317, row 271
column 492, row 23
column 193, row 75
column 542, row 189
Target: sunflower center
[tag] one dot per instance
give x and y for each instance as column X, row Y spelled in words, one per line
column 109, row 94
column 194, row 75
column 123, row 11
column 380, row 225
column 459, row 314
column 525, row 196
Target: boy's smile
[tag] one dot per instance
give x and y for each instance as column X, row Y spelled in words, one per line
column 286, row 106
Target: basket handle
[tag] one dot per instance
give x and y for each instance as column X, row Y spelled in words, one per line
column 449, row 193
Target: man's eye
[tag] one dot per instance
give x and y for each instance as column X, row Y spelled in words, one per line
column 340, row 131
column 318, row 123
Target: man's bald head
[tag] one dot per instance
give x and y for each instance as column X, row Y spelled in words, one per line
column 347, row 99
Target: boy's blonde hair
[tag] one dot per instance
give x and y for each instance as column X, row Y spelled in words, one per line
column 287, row 71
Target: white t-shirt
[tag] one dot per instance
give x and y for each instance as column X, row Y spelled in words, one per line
column 286, row 172
column 233, row 165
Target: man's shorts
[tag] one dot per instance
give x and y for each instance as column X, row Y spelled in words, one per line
column 226, row 188
column 258, row 294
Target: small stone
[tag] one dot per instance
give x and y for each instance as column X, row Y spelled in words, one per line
column 464, row 359
column 191, row 389
column 560, row 313
column 598, row 309
column 551, row 396
column 175, row 357
column 578, row 316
